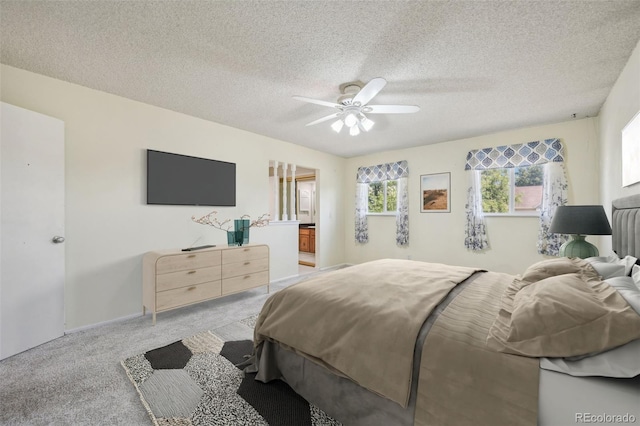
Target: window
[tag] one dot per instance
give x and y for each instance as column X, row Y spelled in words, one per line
column 383, row 197
column 512, row 191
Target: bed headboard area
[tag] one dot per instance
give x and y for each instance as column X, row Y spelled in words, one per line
column 625, row 217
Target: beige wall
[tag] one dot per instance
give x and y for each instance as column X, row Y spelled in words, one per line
column 108, row 224
column 621, row 105
column 439, row 237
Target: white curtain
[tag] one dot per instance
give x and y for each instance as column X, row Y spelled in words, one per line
column 402, row 213
column 381, row 173
column 554, row 194
column 362, row 198
column 475, row 231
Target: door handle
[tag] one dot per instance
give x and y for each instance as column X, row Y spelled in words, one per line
column 57, row 239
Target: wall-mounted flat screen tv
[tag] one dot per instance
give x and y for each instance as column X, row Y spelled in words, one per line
column 183, row 180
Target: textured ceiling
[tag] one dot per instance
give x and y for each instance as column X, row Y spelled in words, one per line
column 474, row 67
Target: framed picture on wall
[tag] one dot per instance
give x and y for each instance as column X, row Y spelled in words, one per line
column 631, row 151
column 435, row 193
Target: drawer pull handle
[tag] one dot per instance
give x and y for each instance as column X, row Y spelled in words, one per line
column 247, row 263
column 247, row 276
column 191, row 255
column 191, row 272
column 191, row 288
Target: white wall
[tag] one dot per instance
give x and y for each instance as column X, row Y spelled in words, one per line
column 108, row 224
column 439, row 237
column 621, row 105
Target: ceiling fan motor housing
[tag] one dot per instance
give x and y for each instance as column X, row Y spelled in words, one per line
column 349, row 90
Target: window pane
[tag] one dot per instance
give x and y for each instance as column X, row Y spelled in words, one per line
column 376, row 197
column 392, row 195
column 528, row 188
column 495, row 191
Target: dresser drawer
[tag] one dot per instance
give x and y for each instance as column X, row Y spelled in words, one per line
column 187, row 295
column 242, row 254
column 181, row 262
column 243, row 268
column 179, row 279
column 244, row 282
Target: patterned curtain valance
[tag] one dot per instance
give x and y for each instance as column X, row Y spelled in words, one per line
column 522, row 154
column 382, row 172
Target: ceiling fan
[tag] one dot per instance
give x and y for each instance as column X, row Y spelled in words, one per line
column 353, row 105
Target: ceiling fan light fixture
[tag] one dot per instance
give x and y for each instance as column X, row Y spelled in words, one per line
column 350, row 120
column 353, row 105
column 366, row 123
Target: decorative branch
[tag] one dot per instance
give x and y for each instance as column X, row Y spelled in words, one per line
column 226, row 225
column 262, row 220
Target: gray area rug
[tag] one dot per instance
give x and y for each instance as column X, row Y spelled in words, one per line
column 194, row 382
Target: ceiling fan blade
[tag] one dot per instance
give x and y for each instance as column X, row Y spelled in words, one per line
column 317, row 101
column 369, row 91
column 391, row 109
column 320, row 120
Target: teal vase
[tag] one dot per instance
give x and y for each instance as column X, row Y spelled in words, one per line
column 231, row 238
column 241, row 227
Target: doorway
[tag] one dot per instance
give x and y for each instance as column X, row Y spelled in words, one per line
column 306, row 214
column 293, row 201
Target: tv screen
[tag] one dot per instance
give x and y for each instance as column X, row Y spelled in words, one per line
column 183, row 180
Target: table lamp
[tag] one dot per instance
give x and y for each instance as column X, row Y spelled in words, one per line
column 579, row 221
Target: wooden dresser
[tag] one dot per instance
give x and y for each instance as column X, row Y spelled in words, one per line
column 175, row 278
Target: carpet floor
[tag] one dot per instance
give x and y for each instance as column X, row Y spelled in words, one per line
column 77, row 379
column 195, row 381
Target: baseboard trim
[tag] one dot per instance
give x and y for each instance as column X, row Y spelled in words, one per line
column 99, row 324
column 334, row 267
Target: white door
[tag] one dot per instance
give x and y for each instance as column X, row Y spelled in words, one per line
column 31, row 218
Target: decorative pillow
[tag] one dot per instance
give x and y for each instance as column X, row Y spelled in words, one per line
column 562, row 316
column 559, row 266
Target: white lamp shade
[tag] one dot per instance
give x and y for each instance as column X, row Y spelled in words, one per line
column 350, row 120
column 366, row 123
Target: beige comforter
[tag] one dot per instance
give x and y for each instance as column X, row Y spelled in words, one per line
column 457, row 368
column 344, row 320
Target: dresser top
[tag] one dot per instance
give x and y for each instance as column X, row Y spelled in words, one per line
column 171, row 252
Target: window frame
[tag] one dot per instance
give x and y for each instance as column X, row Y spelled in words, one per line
column 385, row 212
column 511, row 173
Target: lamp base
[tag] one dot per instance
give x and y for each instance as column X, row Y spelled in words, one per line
column 578, row 247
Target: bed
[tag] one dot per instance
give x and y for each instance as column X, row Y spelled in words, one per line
column 446, row 353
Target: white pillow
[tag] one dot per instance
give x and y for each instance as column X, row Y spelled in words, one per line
column 635, row 275
column 623, row 361
column 627, row 289
column 611, row 266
